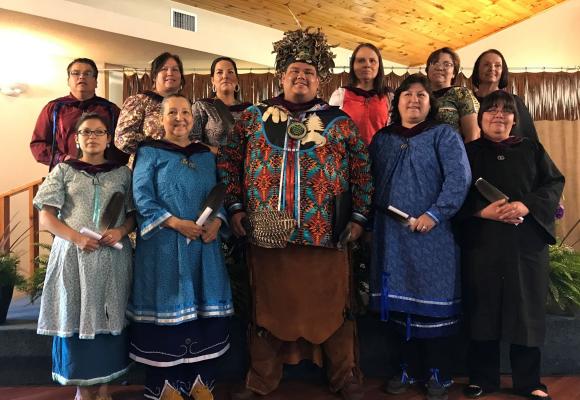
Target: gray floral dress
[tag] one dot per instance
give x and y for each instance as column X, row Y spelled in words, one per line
column 85, row 293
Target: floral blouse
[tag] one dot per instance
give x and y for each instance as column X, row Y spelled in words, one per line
column 140, row 119
column 455, row 102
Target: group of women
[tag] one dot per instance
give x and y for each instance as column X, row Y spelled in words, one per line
column 428, row 143
column 174, row 289
column 439, row 142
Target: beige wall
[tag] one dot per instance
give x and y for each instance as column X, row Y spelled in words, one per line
column 40, row 61
column 549, row 39
column 562, row 141
column 19, row 116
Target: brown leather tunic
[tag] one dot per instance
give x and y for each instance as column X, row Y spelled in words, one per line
column 299, row 291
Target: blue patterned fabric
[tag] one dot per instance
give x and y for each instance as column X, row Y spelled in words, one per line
column 83, row 362
column 411, row 272
column 175, row 281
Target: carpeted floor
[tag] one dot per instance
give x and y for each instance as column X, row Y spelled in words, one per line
column 561, row 388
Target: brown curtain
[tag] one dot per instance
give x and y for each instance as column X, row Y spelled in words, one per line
column 550, row 96
column 562, row 141
column 253, row 87
column 133, row 84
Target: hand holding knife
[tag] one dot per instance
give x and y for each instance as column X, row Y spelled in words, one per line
column 211, row 205
column 108, row 219
column 492, row 193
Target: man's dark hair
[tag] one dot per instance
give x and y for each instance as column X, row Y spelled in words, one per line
column 87, row 61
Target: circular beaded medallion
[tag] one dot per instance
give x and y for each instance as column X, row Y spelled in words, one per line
column 296, row 130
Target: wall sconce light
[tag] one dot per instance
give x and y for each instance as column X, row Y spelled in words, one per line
column 13, row 89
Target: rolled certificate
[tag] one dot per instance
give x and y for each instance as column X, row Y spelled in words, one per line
column 96, row 236
column 399, row 215
column 202, row 218
column 212, row 203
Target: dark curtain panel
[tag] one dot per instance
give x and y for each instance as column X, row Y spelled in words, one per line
column 133, row 84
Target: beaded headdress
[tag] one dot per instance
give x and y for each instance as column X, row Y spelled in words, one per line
column 304, row 45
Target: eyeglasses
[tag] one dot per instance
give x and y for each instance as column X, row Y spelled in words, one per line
column 89, row 132
column 439, row 64
column 496, row 110
column 84, row 74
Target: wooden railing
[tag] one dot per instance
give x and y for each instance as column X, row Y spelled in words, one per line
column 33, row 233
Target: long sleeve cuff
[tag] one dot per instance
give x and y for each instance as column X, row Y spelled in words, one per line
column 235, row 208
column 359, row 219
column 148, row 229
column 433, row 216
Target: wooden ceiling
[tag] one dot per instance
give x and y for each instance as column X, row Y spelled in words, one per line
column 406, row 31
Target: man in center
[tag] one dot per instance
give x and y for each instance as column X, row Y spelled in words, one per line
column 298, row 185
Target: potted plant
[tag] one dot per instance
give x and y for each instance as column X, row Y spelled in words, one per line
column 34, row 285
column 564, row 283
column 9, row 275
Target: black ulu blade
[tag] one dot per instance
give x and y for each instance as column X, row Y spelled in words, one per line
column 490, row 192
column 112, row 211
column 214, row 199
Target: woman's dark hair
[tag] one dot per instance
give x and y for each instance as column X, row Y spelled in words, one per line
column 494, row 99
column 93, row 115
column 405, row 85
column 212, row 72
column 171, row 96
column 503, row 79
column 378, row 82
column 160, row 60
column 87, row 61
column 434, row 57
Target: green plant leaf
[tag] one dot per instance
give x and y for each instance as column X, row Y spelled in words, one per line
column 564, row 277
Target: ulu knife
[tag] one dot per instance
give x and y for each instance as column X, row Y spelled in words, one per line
column 211, row 205
column 490, row 192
